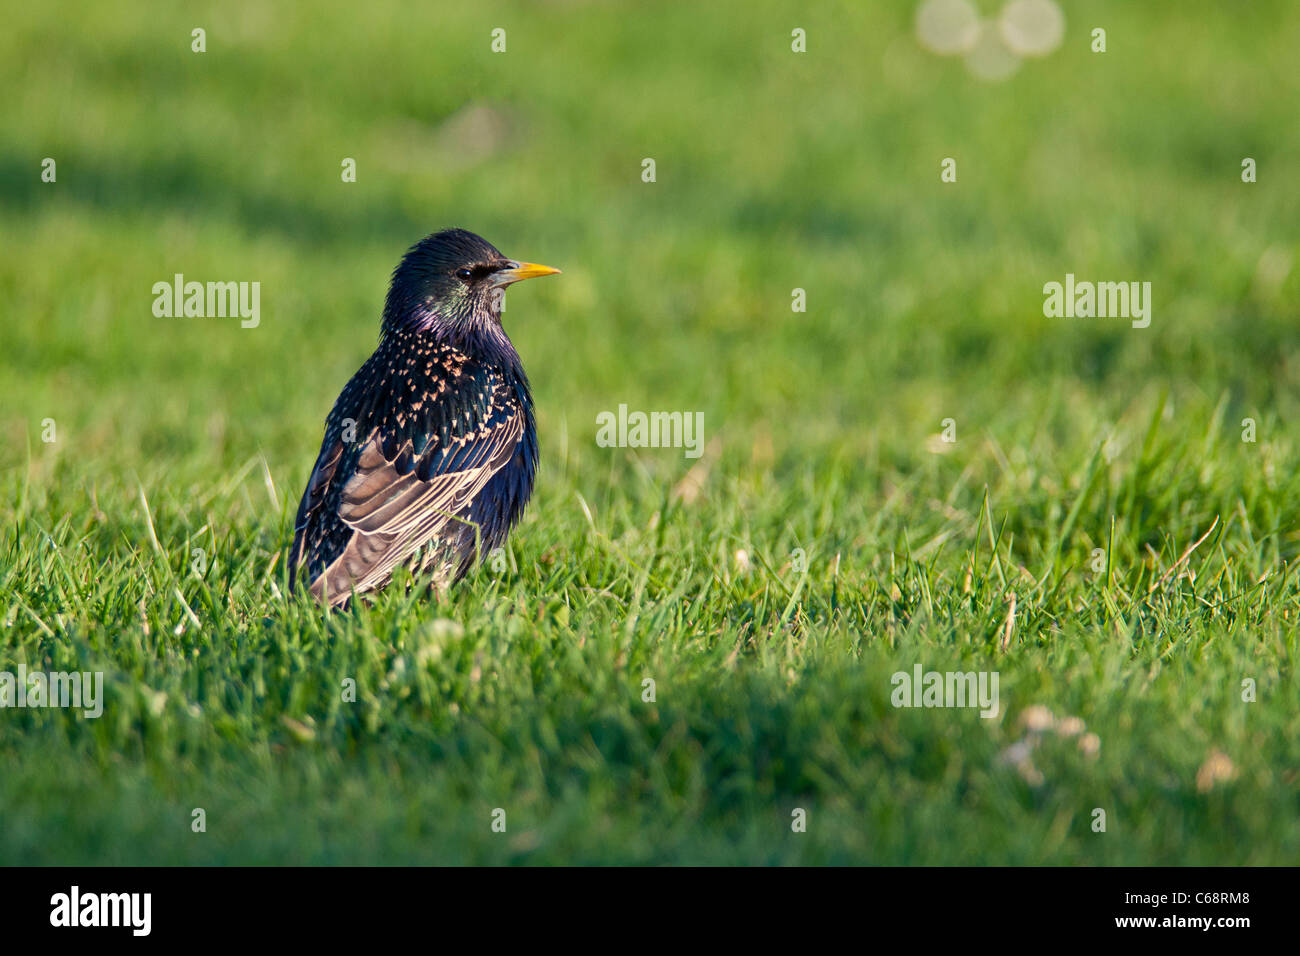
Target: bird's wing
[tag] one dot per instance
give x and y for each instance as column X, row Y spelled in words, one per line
column 407, row 482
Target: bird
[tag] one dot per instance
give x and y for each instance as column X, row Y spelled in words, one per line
column 430, row 450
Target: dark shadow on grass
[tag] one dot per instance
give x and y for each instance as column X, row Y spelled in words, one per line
column 174, row 185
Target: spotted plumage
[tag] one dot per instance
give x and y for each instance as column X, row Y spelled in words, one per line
column 430, row 451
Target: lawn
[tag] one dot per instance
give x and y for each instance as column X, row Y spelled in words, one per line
column 675, row 655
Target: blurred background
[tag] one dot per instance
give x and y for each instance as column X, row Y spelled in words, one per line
column 775, row 170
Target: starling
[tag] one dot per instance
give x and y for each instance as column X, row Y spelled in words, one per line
column 430, row 451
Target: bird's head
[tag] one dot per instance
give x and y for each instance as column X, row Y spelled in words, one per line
column 452, row 282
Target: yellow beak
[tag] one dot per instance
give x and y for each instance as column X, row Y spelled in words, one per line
column 523, row 270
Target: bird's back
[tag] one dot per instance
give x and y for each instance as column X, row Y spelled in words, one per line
column 428, row 459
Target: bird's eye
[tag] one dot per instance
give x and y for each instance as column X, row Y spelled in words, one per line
column 465, row 274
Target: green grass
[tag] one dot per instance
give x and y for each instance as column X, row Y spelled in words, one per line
column 523, row 690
